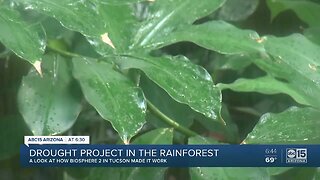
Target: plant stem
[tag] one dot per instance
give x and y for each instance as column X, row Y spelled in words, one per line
column 70, row 54
column 63, row 52
column 169, row 121
column 152, row 107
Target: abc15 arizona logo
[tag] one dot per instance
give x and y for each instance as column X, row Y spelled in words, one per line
column 296, row 155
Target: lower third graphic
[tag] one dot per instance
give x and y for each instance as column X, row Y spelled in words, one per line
column 296, row 155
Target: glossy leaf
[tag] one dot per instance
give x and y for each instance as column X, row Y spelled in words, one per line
column 313, row 34
column 201, row 140
column 104, row 23
column 295, row 60
column 114, row 96
column 157, row 136
column 185, row 82
column 23, row 39
column 237, row 10
column 317, row 176
column 232, row 62
column 49, row 104
column 12, row 130
column 181, row 113
column 120, row 2
column 217, row 36
column 277, row 170
column 298, row 173
column 104, row 173
column 165, row 16
column 209, row 173
column 266, row 85
column 293, row 126
column 306, row 10
column 150, row 173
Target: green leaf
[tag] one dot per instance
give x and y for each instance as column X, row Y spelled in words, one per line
column 157, row 136
column 105, row 173
column 293, row 126
column 296, row 61
column 12, row 130
column 266, row 85
column 48, row 104
column 306, row 10
column 23, row 39
column 277, row 170
column 232, row 62
column 165, row 16
column 181, row 113
column 113, row 95
column 150, row 173
column 215, row 35
column 104, row 23
column 237, row 10
column 209, row 173
column 313, row 34
column 185, row 82
column 201, row 140
column 317, row 176
column 298, row 173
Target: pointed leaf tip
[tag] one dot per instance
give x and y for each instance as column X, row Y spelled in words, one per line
column 105, row 38
column 37, row 66
column 126, row 142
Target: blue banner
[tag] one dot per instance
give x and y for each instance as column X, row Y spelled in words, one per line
column 170, row 155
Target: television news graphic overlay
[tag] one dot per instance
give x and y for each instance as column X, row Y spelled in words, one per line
column 297, row 155
column 271, row 155
column 56, row 140
column 93, row 155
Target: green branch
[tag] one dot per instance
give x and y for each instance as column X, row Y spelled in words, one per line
column 169, row 121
